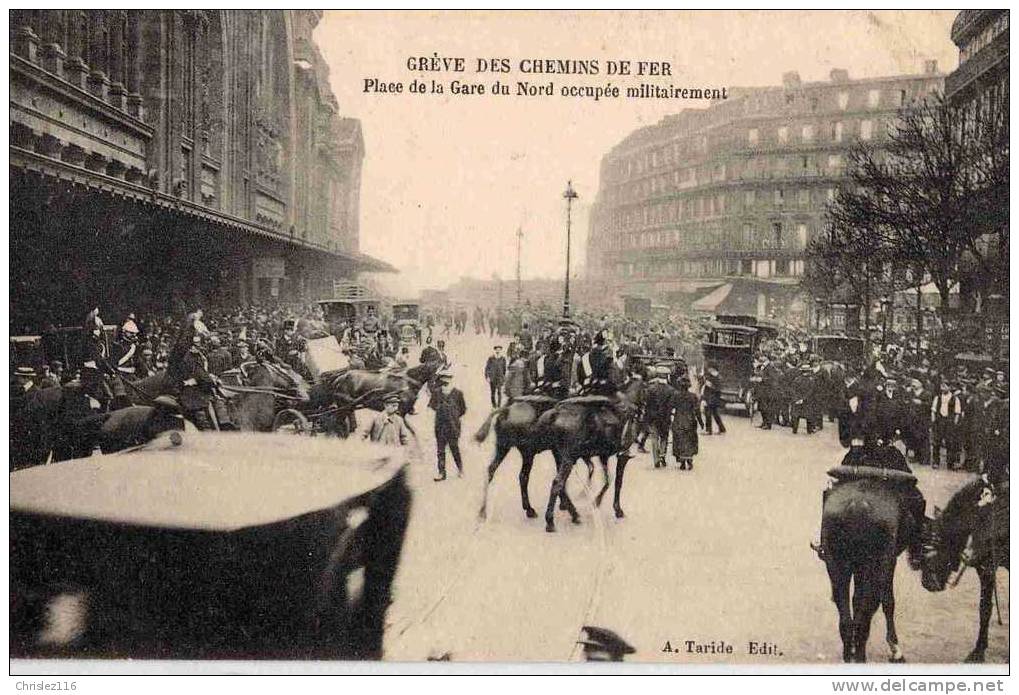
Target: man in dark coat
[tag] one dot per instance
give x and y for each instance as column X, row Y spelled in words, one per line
column 684, row 425
column 803, row 405
column 711, row 396
column 770, row 378
column 495, row 375
column 996, row 436
column 659, row 399
column 449, row 406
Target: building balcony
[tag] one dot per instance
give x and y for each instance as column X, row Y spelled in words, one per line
column 990, row 57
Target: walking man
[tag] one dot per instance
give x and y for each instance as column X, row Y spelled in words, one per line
column 659, row 399
column 946, row 412
column 711, row 396
column 495, row 375
column 388, row 427
column 449, row 406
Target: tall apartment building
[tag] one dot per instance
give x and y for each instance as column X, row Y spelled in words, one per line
column 160, row 155
column 737, row 189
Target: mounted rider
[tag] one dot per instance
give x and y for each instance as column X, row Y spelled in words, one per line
column 126, row 353
column 95, row 363
column 548, row 375
column 871, row 449
column 188, row 374
column 595, row 368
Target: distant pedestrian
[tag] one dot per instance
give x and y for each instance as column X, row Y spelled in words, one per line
column 684, row 425
column 711, row 399
column 495, row 375
column 659, row 400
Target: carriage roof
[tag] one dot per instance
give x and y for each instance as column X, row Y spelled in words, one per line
column 211, row 481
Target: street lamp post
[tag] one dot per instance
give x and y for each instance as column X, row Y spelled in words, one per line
column 570, row 196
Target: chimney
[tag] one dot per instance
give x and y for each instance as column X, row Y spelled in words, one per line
column 839, row 75
column 930, row 67
column 791, row 80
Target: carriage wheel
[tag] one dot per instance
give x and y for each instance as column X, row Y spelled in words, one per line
column 291, row 421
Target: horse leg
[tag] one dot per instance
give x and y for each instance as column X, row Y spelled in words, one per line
column 525, row 476
column 888, row 606
column 840, row 576
column 605, row 482
column 866, row 598
column 500, row 453
column 986, row 596
column 564, row 465
column 622, row 459
column 564, row 500
column 590, row 468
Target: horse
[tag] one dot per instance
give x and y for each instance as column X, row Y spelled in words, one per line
column 255, row 412
column 969, row 532
column 588, row 427
column 57, row 423
column 865, row 526
column 40, row 423
column 353, row 385
column 516, row 427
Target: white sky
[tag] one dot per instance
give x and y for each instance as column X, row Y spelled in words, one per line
column 447, row 179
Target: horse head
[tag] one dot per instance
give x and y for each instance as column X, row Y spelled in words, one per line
column 946, row 537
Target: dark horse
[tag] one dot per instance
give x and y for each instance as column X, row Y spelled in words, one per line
column 353, row 385
column 970, row 531
column 57, row 423
column 589, row 427
column 255, row 412
column 516, row 427
column 865, row 526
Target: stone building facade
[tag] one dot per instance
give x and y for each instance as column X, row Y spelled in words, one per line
column 192, row 156
column 979, row 88
column 737, row 189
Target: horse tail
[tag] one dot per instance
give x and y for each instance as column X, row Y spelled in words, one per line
column 482, row 433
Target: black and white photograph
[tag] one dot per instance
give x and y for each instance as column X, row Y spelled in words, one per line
column 455, row 339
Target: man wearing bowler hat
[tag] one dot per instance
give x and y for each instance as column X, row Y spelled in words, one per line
column 449, row 406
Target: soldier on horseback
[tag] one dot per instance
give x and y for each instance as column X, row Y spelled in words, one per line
column 871, row 449
column 549, row 377
column 188, row 374
column 596, row 369
column 95, row 365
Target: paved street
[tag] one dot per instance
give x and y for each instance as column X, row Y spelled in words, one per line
column 718, row 554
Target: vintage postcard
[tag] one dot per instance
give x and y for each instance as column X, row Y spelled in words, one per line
column 667, row 338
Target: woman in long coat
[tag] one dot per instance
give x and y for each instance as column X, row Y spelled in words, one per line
column 684, row 425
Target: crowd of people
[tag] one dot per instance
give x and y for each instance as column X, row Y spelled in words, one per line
column 945, row 414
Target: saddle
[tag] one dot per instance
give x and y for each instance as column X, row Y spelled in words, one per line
column 535, row 398
column 589, row 400
column 869, row 472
